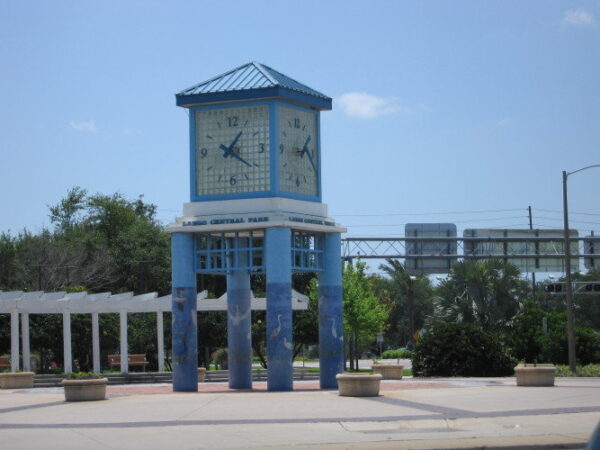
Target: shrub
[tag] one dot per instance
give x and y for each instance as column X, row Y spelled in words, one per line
column 83, row 376
column 530, row 343
column 460, row 349
column 591, row 370
column 399, row 353
column 219, row 359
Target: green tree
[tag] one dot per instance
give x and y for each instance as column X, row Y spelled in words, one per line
column 364, row 315
column 410, row 303
column 486, row 293
column 530, row 342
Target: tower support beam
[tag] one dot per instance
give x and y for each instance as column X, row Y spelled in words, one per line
column 279, row 309
column 184, row 308
column 331, row 327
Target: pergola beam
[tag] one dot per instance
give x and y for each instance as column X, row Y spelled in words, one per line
column 21, row 303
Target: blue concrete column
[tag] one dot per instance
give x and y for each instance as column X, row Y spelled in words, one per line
column 184, row 308
column 278, row 260
column 331, row 326
column 239, row 323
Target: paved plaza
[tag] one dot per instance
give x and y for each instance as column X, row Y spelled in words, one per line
column 409, row 413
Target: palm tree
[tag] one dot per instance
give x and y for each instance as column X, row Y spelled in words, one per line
column 486, row 293
column 409, row 291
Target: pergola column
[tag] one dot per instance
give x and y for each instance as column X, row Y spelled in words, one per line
column 96, row 342
column 67, row 352
column 14, row 341
column 160, row 336
column 25, row 342
column 331, row 327
column 278, row 260
column 124, row 346
column 184, row 307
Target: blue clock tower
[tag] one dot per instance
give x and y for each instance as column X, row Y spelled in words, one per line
column 255, row 207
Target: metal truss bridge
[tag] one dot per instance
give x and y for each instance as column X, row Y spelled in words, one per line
column 535, row 252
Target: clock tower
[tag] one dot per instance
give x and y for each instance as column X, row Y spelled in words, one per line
column 255, row 207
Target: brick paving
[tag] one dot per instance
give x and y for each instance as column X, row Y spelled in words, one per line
column 261, row 386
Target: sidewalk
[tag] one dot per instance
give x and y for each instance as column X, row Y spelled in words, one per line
column 410, row 413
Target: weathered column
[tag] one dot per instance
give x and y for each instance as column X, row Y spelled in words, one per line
column 14, row 341
column 331, row 327
column 278, row 260
column 25, row 342
column 123, row 342
column 184, row 307
column 67, row 352
column 239, row 323
column 96, row 341
column 160, row 336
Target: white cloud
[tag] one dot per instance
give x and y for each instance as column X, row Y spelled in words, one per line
column 503, row 122
column 90, row 126
column 367, row 106
column 578, row 17
column 132, row 132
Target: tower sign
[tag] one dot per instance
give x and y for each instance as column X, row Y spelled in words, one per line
column 255, row 207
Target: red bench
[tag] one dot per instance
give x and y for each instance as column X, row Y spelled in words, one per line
column 132, row 360
column 4, row 363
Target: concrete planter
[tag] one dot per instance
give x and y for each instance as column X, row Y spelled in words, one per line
column 16, row 380
column 358, row 385
column 85, row 389
column 201, row 374
column 535, row 374
column 389, row 371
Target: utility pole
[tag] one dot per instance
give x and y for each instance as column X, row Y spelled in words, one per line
column 533, row 271
column 569, row 283
column 411, row 311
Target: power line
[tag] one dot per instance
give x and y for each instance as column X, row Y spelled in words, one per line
column 572, row 221
column 430, row 213
column 570, row 212
column 456, row 221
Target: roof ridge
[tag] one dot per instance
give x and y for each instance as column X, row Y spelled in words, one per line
column 264, row 69
column 293, row 79
column 224, row 74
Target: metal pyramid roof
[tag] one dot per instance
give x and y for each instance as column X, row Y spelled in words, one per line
column 252, row 76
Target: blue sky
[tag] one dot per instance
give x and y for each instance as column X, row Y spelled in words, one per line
column 440, row 108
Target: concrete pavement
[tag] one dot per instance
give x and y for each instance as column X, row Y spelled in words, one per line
column 411, row 413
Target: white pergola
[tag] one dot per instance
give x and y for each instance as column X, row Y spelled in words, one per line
column 21, row 303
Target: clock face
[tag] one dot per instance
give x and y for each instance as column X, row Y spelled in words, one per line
column 232, row 150
column 298, row 157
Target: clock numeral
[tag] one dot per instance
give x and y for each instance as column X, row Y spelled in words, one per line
column 203, row 152
column 233, row 121
column 232, row 181
column 261, row 148
column 281, row 148
column 296, row 123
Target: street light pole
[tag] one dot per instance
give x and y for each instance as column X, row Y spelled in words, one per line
column 569, row 283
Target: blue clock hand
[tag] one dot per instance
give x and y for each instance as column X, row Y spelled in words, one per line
column 234, row 155
column 228, row 151
column 234, row 141
column 305, row 150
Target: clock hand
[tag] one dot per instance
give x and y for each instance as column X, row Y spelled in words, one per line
column 305, row 147
column 305, row 150
column 231, row 153
column 235, row 140
column 228, row 151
